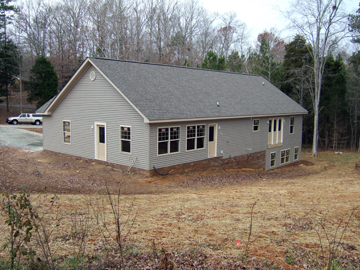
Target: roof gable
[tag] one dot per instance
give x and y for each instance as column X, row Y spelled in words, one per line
column 53, row 103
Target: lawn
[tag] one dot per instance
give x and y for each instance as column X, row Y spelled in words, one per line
column 278, row 219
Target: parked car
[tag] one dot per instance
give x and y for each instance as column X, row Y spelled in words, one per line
column 25, row 118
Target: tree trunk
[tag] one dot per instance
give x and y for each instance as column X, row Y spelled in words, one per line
column 315, row 135
column 7, row 98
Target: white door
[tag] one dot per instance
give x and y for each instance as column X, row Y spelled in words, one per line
column 100, row 141
column 275, row 134
column 212, row 143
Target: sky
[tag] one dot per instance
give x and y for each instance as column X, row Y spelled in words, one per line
column 262, row 14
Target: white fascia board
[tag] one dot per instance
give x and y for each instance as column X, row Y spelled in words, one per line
column 146, row 120
column 220, row 118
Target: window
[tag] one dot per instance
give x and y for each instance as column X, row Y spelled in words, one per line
column 195, row 137
column 125, row 138
column 272, row 159
column 101, row 134
column 296, row 153
column 275, row 135
column 168, row 140
column 67, row 131
column 285, row 156
column 292, row 122
column 256, row 125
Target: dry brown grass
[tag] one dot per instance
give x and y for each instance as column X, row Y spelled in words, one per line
column 211, row 218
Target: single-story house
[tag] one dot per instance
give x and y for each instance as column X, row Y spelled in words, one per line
column 162, row 116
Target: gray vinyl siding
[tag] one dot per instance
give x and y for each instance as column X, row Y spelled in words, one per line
column 97, row 101
column 234, row 138
column 290, row 141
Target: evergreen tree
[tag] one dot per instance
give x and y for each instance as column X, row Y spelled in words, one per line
column 5, row 7
column 333, row 118
column 43, row 81
column 9, row 67
column 354, row 25
column 297, row 76
column 271, row 51
column 353, row 98
column 212, row 61
column 235, row 62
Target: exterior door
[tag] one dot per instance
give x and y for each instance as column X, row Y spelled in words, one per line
column 100, row 142
column 275, row 135
column 212, row 143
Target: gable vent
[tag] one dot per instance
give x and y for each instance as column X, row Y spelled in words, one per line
column 92, row 75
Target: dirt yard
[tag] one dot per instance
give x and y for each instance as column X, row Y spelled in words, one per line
column 301, row 212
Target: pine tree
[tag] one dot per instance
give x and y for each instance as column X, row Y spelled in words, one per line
column 9, row 66
column 333, row 118
column 43, row 81
column 212, row 61
column 235, row 62
column 354, row 25
column 4, row 18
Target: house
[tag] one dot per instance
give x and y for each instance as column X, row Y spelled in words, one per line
column 163, row 116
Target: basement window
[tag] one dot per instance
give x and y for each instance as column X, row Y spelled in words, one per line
column 296, row 153
column 67, row 132
column 195, row 137
column 272, row 159
column 125, row 137
column 168, row 140
column 285, row 156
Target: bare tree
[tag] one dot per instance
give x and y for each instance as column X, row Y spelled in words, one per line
column 187, row 29
column 137, row 30
column 323, row 24
column 206, row 38
column 231, row 33
column 34, row 21
column 98, row 12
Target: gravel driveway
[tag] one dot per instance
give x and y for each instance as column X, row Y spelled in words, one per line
column 21, row 138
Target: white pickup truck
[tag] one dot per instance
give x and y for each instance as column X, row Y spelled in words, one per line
column 25, row 118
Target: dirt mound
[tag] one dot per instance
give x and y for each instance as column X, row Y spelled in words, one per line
column 60, row 173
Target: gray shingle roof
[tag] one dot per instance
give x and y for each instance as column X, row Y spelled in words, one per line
column 43, row 108
column 164, row 92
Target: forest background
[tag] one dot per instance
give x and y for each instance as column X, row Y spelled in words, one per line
column 185, row 33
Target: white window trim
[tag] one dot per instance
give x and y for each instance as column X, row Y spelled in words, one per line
column 131, row 131
column 291, row 125
column 66, row 132
column 297, row 153
column 284, row 150
column 195, row 137
column 271, row 160
column 253, row 122
column 157, row 139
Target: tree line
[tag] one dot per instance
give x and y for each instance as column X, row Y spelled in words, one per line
column 311, row 68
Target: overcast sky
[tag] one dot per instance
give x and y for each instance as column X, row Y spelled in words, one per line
column 261, row 14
